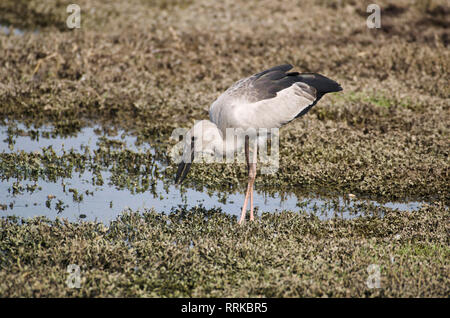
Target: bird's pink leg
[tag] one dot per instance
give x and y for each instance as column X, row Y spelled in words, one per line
column 252, row 175
column 251, row 195
column 244, row 208
column 251, row 205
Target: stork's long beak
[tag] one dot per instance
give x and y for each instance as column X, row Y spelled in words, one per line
column 183, row 167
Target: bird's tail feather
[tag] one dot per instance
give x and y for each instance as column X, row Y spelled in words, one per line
column 321, row 83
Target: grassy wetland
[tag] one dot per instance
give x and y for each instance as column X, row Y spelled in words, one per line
column 86, row 117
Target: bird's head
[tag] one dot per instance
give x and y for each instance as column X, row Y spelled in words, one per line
column 201, row 143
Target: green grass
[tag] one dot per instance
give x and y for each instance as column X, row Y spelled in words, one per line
column 205, row 253
column 134, row 67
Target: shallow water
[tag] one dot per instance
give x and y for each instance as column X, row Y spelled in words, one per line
column 79, row 196
column 7, row 30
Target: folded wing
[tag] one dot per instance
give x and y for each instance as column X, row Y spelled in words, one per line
column 270, row 98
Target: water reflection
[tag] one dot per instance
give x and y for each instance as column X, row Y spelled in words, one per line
column 95, row 174
column 7, row 30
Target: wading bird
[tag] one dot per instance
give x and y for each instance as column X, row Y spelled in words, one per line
column 269, row 99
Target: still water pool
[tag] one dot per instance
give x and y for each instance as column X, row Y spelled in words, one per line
column 95, row 187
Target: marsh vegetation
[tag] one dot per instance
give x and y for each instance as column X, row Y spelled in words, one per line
column 85, row 120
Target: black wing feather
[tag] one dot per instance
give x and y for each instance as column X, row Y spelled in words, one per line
column 269, row 82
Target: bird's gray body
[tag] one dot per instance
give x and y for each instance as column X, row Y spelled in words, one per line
column 268, row 99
